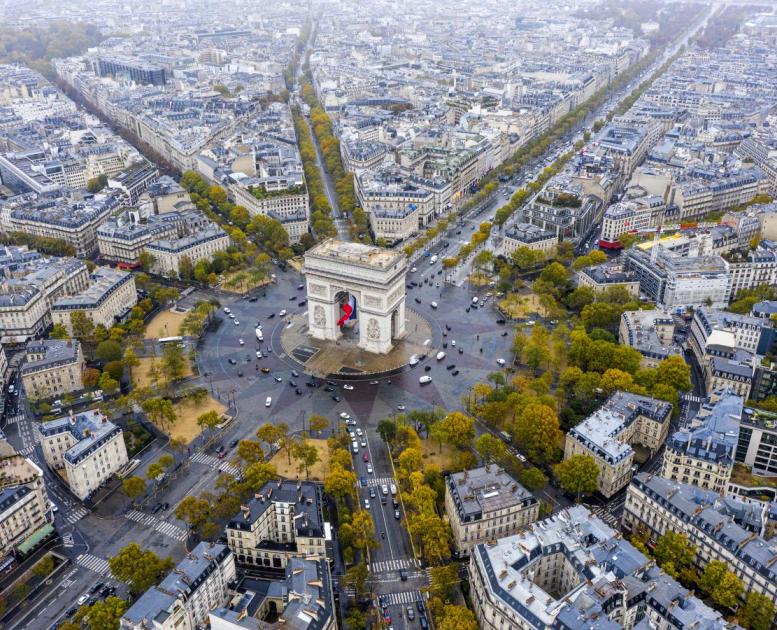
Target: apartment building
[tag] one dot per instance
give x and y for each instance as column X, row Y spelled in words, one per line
column 52, row 368
column 110, row 296
column 283, row 520
column 394, row 225
column 303, row 598
column 24, row 504
column 255, row 198
column 528, row 235
column 703, row 452
column 599, row 278
column 199, row 584
column 651, row 333
column 485, row 504
column 169, row 253
column 631, row 215
column 121, row 240
column 659, row 505
column 573, row 572
column 754, row 268
column 88, row 446
column 607, row 435
column 359, row 155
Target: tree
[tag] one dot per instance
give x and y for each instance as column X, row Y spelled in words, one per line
column 306, row 455
column 115, row 369
column 160, row 410
column 318, row 423
column 44, row 566
column 276, row 436
column 133, row 487
column 107, row 383
column 257, row 474
column 723, row 586
column 456, row 618
column 757, row 613
column 81, row 325
column 58, row 331
column 209, row 419
column 537, row 430
column 674, row 552
column 532, row 479
column 105, row 614
column 410, row 460
column 140, row 569
column 490, row 449
column 250, row 451
column 387, row 429
column 173, row 361
column 356, row 576
column 167, row 461
column 578, row 474
column 456, row 429
column 194, row 511
column 674, row 372
column 154, row 471
column 443, row 582
column 340, row 483
column 108, row 351
column 363, row 529
column 90, row 377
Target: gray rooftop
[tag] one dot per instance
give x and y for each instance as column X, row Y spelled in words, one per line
column 486, row 489
column 56, row 352
column 90, row 428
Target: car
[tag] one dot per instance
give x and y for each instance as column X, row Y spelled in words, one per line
column 452, row 366
column 363, row 443
column 240, row 373
column 505, row 333
column 447, row 327
column 268, row 401
column 350, row 421
column 420, row 606
column 295, row 374
column 271, row 315
column 401, row 407
column 359, row 432
column 282, row 313
column 302, row 303
column 461, row 350
column 433, row 304
column 453, row 343
column 417, row 300
column 427, row 368
column 237, row 322
column 241, row 342
column 259, row 354
column 366, row 504
column 253, row 298
column 425, row 379
column 393, row 490
column 500, row 320
column 234, row 443
column 278, row 379
column 97, row 587
column 348, row 386
column 410, row 613
column 345, row 415
column 53, row 507
column 71, row 611
column 500, row 362
column 373, row 382
column 372, row 493
column 387, row 619
column 382, row 602
column 402, row 572
column 363, row 482
column 423, row 622
column 365, row 457
column 232, row 361
column 298, row 391
column 455, row 373
column 300, row 287
column 82, row 600
column 355, row 446
column 394, row 502
column 336, row 398
column 265, row 370
column 369, row 469
column 292, row 298
column 231, row 316
column 329, row 388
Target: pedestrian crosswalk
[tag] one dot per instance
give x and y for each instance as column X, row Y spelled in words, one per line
column 67, row 540
column 76, row 515
column 27, row 450
column 379, row 481
column 405, row 597
column 216, row 464
column 93, row 563
column 692, row 398
column 607, row 517
column 14, row 419
column 163, row 527
column 394, row 565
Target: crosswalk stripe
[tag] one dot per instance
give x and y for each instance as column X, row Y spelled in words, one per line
column 216, row 464
column 394, row 565
column 405, row 597
column 93, row 563
column 379, row 481
column 67, row 540
column 76, row 515
column 149, row 520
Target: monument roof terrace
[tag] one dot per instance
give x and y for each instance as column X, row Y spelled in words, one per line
column 356, row 253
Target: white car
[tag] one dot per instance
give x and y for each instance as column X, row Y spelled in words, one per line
column 345, row 415
column 237, row 322
column 425, row 379
column 413, row 269
column 241, row 342
column 369, row 469
column 401, row 407
column 363, row 443
column 500, row 361
column 355, row 446
column 440, row 355
column 350, row 421
column 413, row 360
column 359, row 432
column 366, row 504
column 434, row 305
column 453, row 343
column 231, row 316
column 282, row 313
column 258, row 354
column 83, row 599
column 227, row 311
column 268, row 401
column 348, row 387
column 352, row 433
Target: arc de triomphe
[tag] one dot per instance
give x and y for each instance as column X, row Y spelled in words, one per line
column 340, row 273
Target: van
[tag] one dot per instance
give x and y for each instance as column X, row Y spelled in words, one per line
column 268, row 401
column 440, row 355
column 355, row 446
column 384, row 489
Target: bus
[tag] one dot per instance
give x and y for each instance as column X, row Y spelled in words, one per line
column 164, row 340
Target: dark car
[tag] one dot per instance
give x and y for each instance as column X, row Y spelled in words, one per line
column 97, row 587
column 293, row 383
column 295, row 374
column 448, row 328
column 427, row 368
column 403, row 575
column 165, row 507
column 455, row 373
column 461, row 350
column 253, row 299
column 452, row 366
column 298, row 391
column 329, row 388
column 154, row 510
column 418, row 300
column 500, row 321
column 336, row 398
column 293, row 298
column 505, row 333
column 271, row 315
column 220, row 448
column 420, row 606
column 234, row 443
column 71, row 611
column 232, row 361
column 423, row 622
column 302, row 303
column 240, row 373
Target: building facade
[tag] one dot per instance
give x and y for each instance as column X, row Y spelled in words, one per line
column 52, row 367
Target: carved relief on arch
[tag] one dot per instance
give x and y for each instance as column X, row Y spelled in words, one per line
column 316, row 289
column 371, row 300
column 373, row 329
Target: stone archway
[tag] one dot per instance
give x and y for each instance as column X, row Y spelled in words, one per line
column 370, row 279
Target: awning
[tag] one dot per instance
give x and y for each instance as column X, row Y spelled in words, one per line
column 35, row 538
